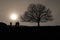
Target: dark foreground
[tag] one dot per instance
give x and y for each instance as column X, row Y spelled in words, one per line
column 29, row 29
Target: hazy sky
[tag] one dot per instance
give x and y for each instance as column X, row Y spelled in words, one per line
column 20, row 6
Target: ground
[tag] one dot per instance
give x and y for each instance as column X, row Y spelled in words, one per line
column 28, row 29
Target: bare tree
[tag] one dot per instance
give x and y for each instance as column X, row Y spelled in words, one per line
column 37, row 13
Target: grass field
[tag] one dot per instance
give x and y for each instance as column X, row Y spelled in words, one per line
column 29, row 28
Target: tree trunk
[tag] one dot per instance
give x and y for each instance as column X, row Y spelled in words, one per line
column 38, row 24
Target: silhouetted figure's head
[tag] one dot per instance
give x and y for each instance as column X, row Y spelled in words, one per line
column 2, row 24
column 10, row 23
column 17, row 24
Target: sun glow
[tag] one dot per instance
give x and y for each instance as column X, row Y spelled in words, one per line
column 13, row 16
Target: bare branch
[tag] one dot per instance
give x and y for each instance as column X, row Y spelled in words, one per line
column 37, row 12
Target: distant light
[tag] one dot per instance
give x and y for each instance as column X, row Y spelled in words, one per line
column 13, row 16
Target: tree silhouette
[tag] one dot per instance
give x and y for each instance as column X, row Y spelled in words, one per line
column 37, row 13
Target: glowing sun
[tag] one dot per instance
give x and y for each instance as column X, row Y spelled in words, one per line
column 13, row 16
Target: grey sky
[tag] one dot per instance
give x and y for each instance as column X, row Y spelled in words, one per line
column 19, row 6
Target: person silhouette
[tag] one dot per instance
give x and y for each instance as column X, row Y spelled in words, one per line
column 17, row 24
column 10, row 23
